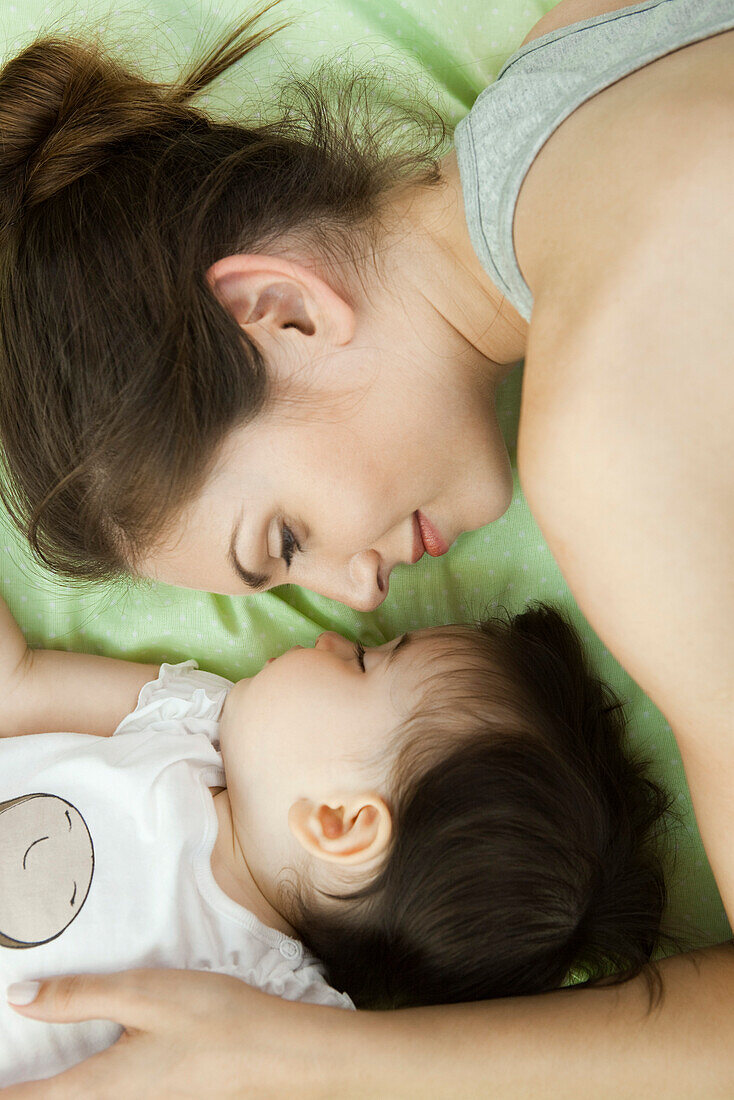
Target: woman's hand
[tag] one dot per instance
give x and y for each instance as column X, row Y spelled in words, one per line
column 193, row 1035
column 187, row 1034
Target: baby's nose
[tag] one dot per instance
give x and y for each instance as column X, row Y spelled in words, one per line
column 330, row 641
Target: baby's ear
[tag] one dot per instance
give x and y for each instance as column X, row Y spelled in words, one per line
column 346, row 829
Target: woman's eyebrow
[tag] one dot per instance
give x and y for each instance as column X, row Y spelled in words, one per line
column 256, row 581
column 405, row 640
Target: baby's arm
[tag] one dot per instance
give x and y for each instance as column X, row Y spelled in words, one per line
column 42, row 690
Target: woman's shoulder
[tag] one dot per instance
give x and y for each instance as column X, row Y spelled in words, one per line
column 629, row 166
column 572, row 11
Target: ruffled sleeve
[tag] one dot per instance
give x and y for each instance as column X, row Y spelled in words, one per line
column 301, row 979
column 183, row 695
column 308, row 984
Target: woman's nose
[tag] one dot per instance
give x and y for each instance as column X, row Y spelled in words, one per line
column 368, row 581
column 358, row 584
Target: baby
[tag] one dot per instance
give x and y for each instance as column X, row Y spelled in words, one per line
column 445, row 817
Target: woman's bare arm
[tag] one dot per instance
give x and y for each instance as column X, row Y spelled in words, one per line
column 634, row 491
column 626, row 452
column 192, row 1034
column 572, row 1044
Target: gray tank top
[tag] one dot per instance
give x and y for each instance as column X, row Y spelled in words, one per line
column 537, row 88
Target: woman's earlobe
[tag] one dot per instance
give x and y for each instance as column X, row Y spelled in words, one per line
column 350, row 829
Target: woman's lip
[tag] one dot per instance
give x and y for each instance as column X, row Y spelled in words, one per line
column 433, row 542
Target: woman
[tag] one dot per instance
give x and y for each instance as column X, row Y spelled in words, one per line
column 348, row 338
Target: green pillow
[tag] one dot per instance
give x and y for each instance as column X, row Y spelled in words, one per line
column 451, row 51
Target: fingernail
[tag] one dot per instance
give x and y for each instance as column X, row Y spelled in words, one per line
column 22, row 993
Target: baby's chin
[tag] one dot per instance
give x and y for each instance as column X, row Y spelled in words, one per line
column 230, row 714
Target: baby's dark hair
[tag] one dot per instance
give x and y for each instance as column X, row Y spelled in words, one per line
column 527, row 851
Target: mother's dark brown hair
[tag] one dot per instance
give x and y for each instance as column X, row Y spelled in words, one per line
column 120, row 371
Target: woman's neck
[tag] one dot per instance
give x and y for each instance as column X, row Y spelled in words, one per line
column 437, row 251
column 232, row 873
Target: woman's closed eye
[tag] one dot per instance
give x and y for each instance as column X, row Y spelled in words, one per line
column 359, row 653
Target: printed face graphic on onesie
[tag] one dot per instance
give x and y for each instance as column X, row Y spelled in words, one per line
column 46, row 867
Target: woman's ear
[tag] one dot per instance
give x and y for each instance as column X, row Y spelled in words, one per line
column 274, row 293
column 346, row 829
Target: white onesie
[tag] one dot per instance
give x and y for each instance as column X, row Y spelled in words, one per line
column 105, row 846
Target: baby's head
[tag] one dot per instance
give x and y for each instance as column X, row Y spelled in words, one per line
column 450, row 816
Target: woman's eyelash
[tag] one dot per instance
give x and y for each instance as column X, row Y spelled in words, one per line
column 288, row 545
column 359, row 651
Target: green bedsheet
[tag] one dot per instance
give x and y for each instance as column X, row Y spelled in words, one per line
column 451, row 51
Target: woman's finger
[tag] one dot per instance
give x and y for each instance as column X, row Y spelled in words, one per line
column 131, row 998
